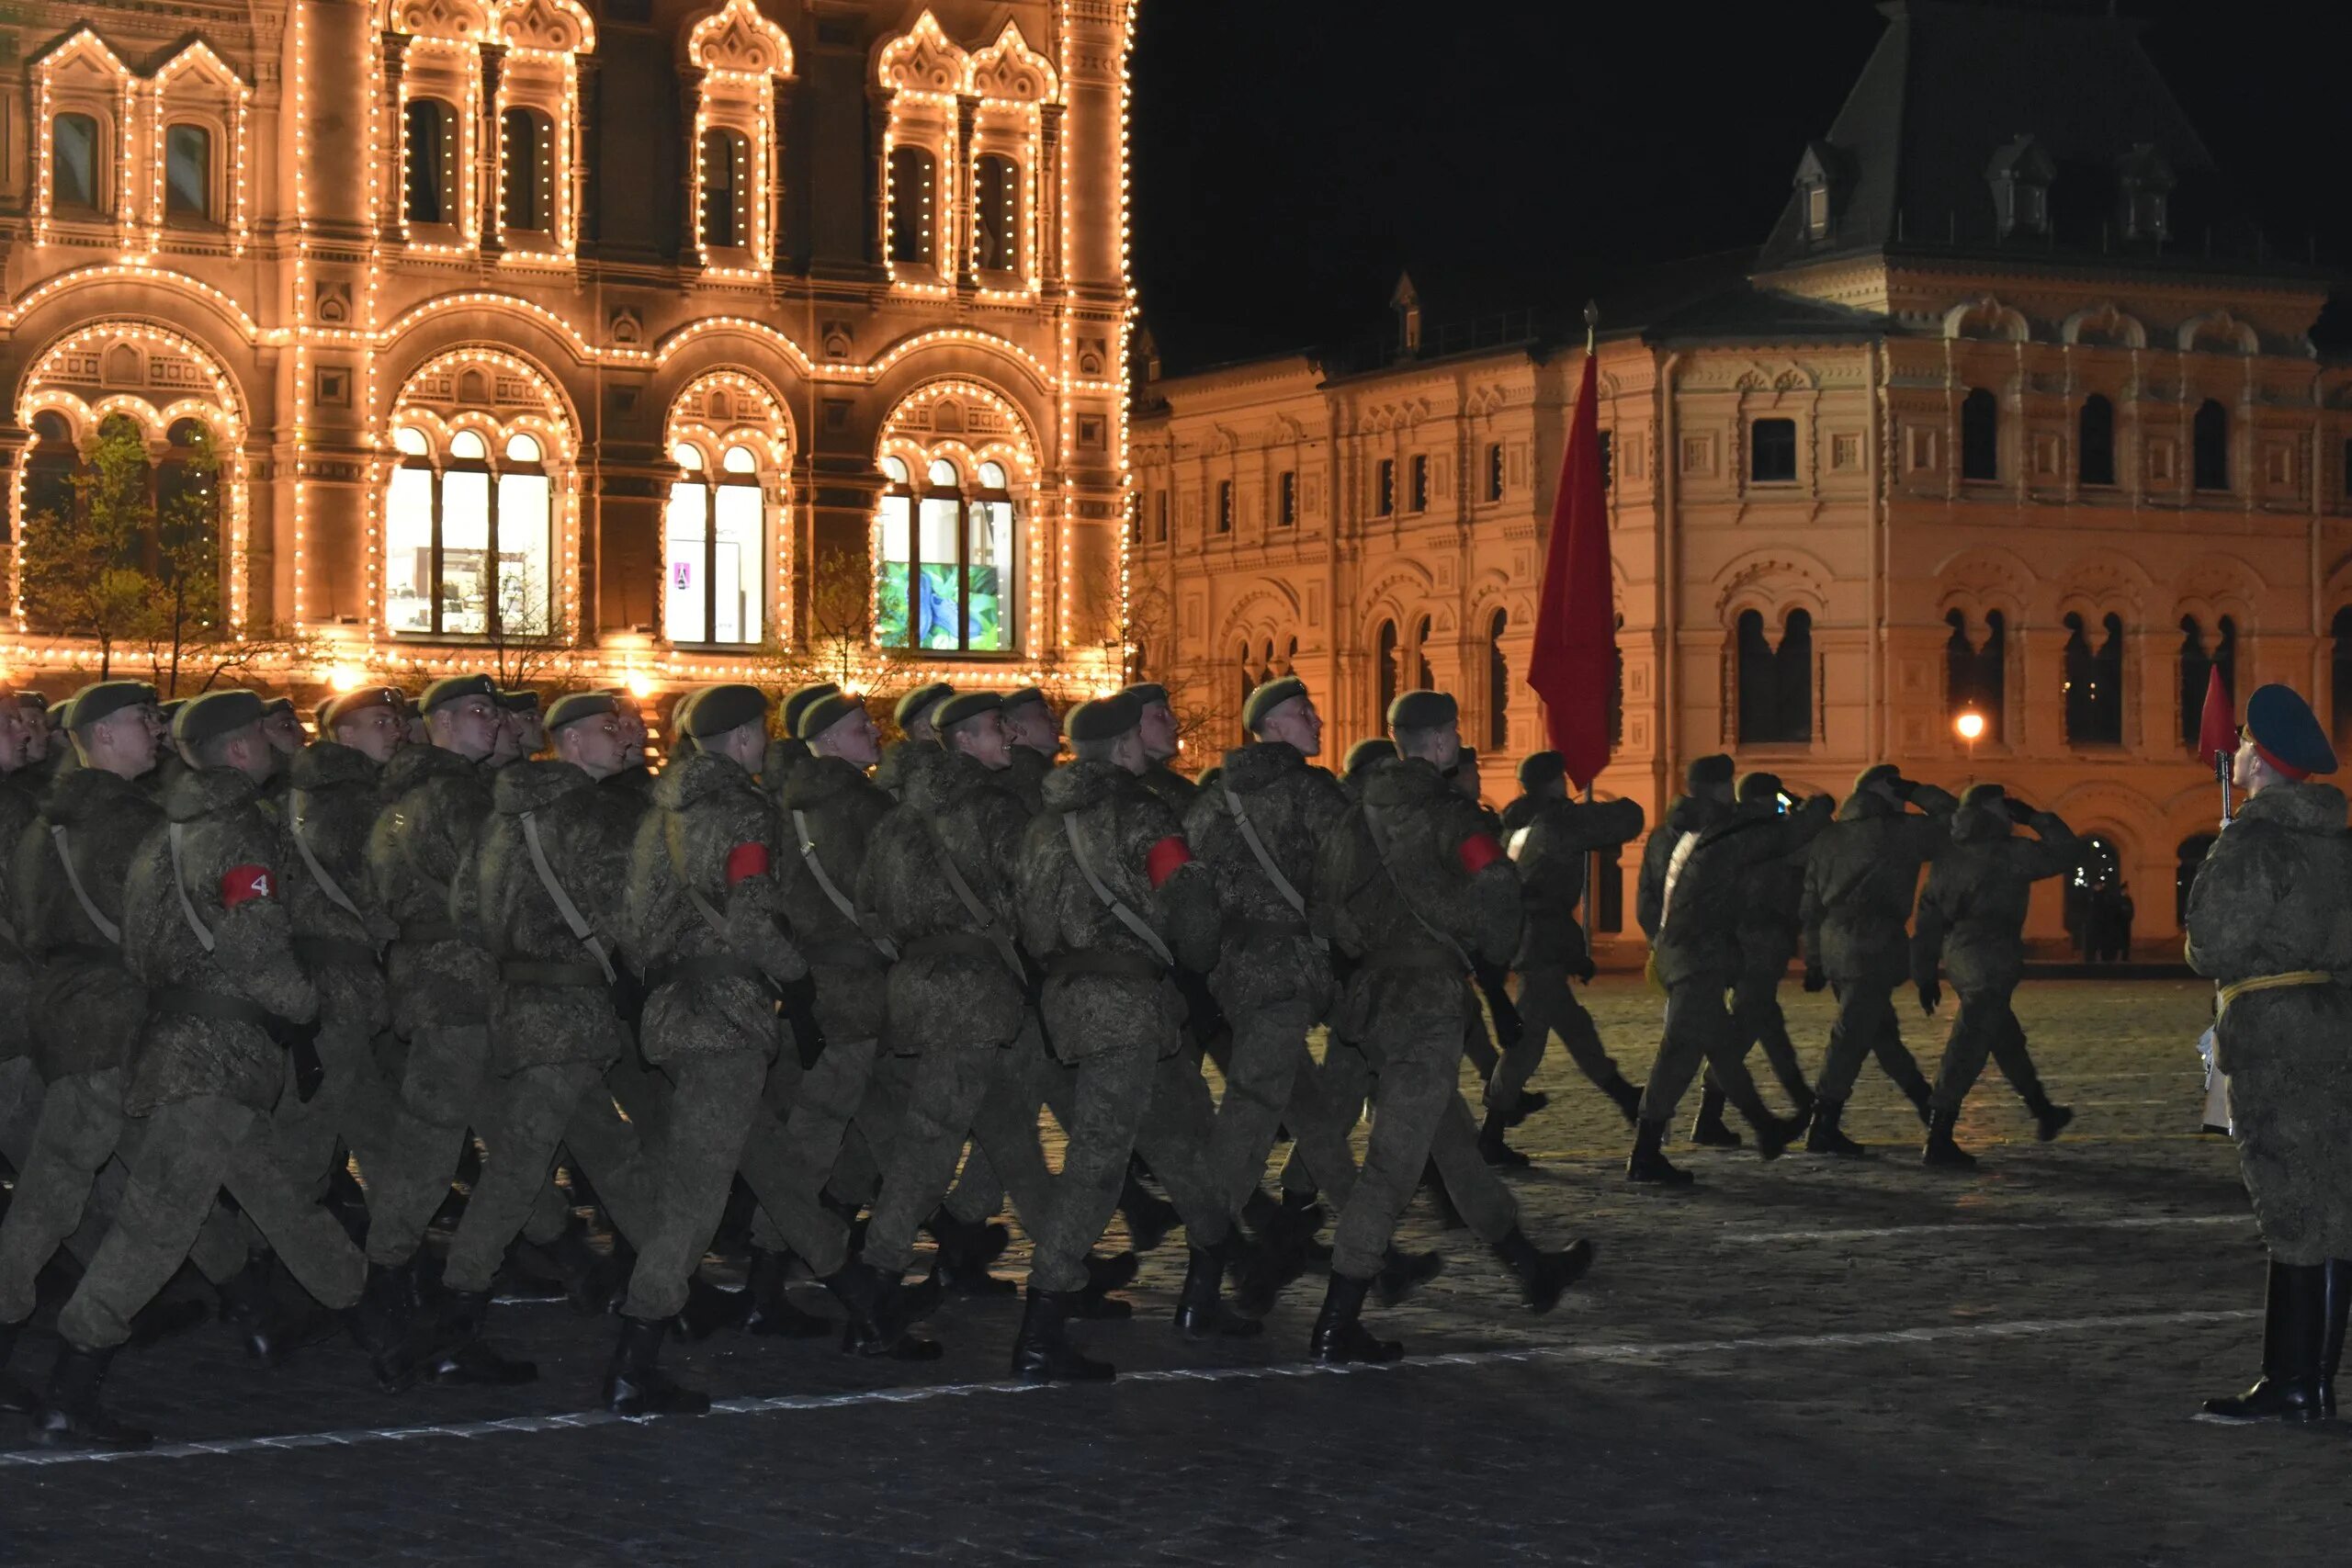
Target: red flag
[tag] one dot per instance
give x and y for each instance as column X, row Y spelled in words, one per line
column 2217, row 732
column 1574, row 665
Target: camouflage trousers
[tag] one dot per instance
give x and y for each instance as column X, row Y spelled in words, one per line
column 70, row 1183
column 20, row 1096
column 188, row 1151
column 1866, row 1027
column 1263, row 1080
column 440, row 1093
column 1700, row 1031
column 538, row 1111
column 1985, row 1025
column 787, row 1163
column 1756, row 1013
column 1327, row 1100
column 713, row 1102
column 1108, row 1095
column 1412, row 1062
column 354, row 1103
column 1547, row 1006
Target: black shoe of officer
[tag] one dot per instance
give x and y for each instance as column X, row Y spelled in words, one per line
column 635, row 1383
column 71, row 1417
column 876, row 1324
column 1339, row 1334
column 15, row 1398
column 1402, row 1273
column 470, row 1362
column 1708, row 1129
column 2296, row 1327
column 1150, row 1216
column 966, row 1250
column 772, row 1314
column 709, row 1309
column 1648, row 1163
column 1493, row 1150
column 1042, row 1351
column 1626, row 1098
column 1200, row 1312
column 2048, row 1119
column 1095, row 1304
column 1543, row 1276
column 1826, row 1138
column 1941, row 1153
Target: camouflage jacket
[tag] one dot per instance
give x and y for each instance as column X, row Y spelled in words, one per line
column 1270, row 953
column 889, row 772
column 87, row 1008
column 784, row 755
column 436, row 804
column 1771, row 916
column 1971, row 913
column 1862, row 880
column 636, row 783
column 711, row 834
column 228, row 868
column 19, row 813
column 1551, row 843
column 2273, row 896
column 1694, row 924
column 544, row 1016
column 1174, row 790
column 333, row 797
column 840, row 808
column 1136, row 845
column 1026, row 777
column 951, row 811
column 1413, row 867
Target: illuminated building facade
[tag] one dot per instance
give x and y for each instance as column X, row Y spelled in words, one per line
column 625, row 330
column 2012, row 415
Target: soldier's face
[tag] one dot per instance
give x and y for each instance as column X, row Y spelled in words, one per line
column 1158, row 732
column 633, row 733
column 984, row 741
column 251, row 753
column 373, row 732
column 126, row 742
column 1130, row 754
column 2248, row 772
column 855, row 740
column 14, row 733
column 598, row 746
column 469, row 727
column 1296, row 723
column 285, row 733
column 1446, row 746
column 36, row 734
column 531, row 732
column 507, row 742
column 1032, row 725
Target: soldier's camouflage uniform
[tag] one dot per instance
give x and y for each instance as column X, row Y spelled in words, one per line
column 1026, row 777
column 1554, row 858
column 1112, row 1015
column 1771, row 930
column 20, row 1085
column 1175, row 791
column 2274, row 898
column 703, row 921
column 208, row 1068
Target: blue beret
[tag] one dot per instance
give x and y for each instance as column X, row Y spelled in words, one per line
column 2282, row 724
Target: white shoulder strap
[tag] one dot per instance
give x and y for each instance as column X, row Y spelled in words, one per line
column 106, row 927
column 1127, row 917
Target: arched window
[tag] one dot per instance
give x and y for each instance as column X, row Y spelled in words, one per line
column 1497, row 684
column 2095, row 918
column 717, row 525
column 527, row 167
column 1286, row 499
column 49, row 469
column 725, row 172
column 996, row 214
column 1383, row 488
column 2094, row 683
column 1975, row 675
column 1225, row 506
column 1423, row 680
column 2196, row 673
column 1980, row 437
column 1386, row 674
column 74, row 166
column 914, row 196
column 1420, row 492
column 1495, row 471
column 2211, row 441
column 469, row 532
column 946, row 558
column 2339, row 669
column 2095, row 441
column 118, row 544
column 1159, row 518
column 187, row 173
column 1775, row 683
column 430, row 151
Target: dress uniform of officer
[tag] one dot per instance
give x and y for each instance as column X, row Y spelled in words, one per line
column 2270, row 919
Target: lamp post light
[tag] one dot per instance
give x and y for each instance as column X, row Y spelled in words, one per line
column 1969, row 725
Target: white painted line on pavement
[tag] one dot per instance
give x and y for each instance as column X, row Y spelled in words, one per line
column 1626, row 1351
column 2128, row 1222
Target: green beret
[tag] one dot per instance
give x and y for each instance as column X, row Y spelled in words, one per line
column 1708, row 773
column 1422, row 710
column 104, row 699
column 523, row 701
column 964, row 705
column 33, row 700
column 717, row 709
column 1026, row 694
column 170, row 710
column 276, row 705
column 1104, row 718
column 1266, row 698
column 826, row 712
column 1983, row 797
column 1879, row 772
column 1760, row 786
column 215, row 713
column 334, row 710
column 1365, row 754
column 797, row 701
column 454, row 688
column 919, row 703
column 574, row 707
column 1466, row 758
column 1541, row 769
column 1147, row 692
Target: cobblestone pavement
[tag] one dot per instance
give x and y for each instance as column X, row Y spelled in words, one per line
column 1806, row 1362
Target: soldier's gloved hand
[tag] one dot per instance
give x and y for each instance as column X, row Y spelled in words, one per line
column 1585, row 969
column 2019, row 812
column 1903, row 788
column 1931, row 995
column 1816, row 978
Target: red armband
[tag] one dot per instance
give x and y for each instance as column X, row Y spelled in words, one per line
column 1478, row 852
column 746, row 861
column 245, row 882
column 1166, row 858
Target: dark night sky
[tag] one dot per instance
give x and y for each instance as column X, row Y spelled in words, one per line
column 1291, row 155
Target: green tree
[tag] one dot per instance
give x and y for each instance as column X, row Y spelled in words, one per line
column 83, row 567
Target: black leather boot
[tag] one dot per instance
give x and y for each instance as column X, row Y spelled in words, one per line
column 772, row 1314
column 966, row 1250
column 1922, row 1100
column 15, row 1398
column 1302, row 1207
column 1648, row 1162
column 1626, row 1097
column 1543, row 1276
column 1340, row 1336
column 165, row 1316
column 1285, row 1237
column 1042, row 1351
column 1150, row 1216
column 2048, row 1119
column 1402, row 1273
column 1773, row 1133
column 1095, row 1304
column 1530, row 1101
column 272, row 1331
column 1826, row 1138
column 2294, row 1350
column 1201, row 1313
column 469, row 1361
column 1707, row 1129
column 1941, row 1153
column 877, row 1320
column 709, row 1309
column 592, row 1279
column 2339, row 1298
column 636, row 1385
column 393, row 1334
column 71, row 1417
column 1493, row 1150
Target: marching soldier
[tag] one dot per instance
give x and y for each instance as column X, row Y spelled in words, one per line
column 1552, row 840
column 2269, row 919
column 21, row 1085
column 1859, row 884
column 205, row 931
column 1971, row 920
column 1771, row 932
column 1159, row 743
column 912, row 716
column 1360, row 759
column 789, row 749
column 45, row 742
column 1036, row 742
column 1693, row 871
column 522, row 707
column 1412, row 886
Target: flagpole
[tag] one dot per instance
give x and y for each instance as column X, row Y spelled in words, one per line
column 1591, row 878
